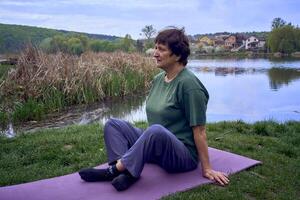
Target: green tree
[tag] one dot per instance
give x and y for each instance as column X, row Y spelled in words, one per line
column 84, row 41
column 58, row 43
column 139, row 45
column 75, row 46
column 284, row 39
column 277, row 23
column 96, row 45
column 127, row 44
column 103, row 46
column 297, row 38
column 45, row 45
column 286, row 46
column 148, row 31
column 149, row 44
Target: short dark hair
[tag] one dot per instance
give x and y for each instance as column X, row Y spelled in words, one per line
column 177, row 42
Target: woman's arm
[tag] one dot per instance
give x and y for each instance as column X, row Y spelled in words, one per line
column 202, row 148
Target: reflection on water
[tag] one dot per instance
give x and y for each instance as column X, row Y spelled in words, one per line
column 121, row 109
column 127, row 108
column 246, row 63
column 277, row 76
column 282, row 76
column 224, row 71
column 244, row 89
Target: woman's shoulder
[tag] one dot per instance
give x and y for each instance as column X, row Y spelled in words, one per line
column 189, row 81
column 188, row 78
column 158, row 76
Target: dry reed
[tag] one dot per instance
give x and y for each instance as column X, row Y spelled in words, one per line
column 99, row 75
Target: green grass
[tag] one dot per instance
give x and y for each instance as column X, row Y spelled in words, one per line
column 54, row 152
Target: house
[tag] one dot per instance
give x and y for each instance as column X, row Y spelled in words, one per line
column 205, row 41
column 240, row 40
column 234, row 41
column 219, row 42
column 230, row 42
column 239, row 43
column 253, row 43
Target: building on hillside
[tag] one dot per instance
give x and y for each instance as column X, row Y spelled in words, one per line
column 205, row 41
column 223, row 37
column 230, row 42
column 239, row 43
column 254, row 43
column 235, row 42
column 240, row 40
column 219, row 42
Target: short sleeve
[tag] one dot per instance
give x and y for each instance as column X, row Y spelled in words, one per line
column 195, row 104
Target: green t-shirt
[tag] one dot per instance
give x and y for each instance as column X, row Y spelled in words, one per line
column 178, row 105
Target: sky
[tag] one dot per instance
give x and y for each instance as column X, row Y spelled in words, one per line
column 121, row 17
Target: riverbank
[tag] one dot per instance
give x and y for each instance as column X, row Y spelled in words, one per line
column 54, row 152
column 46, row 83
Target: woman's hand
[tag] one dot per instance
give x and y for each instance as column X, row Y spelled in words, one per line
column 217, row 176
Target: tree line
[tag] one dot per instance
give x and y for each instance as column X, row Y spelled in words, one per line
column 284, row 37
column 14, row 38
column 77, row 44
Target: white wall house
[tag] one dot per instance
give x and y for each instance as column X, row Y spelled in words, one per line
column 253, row 42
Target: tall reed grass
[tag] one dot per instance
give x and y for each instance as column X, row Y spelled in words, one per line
column 42, row 83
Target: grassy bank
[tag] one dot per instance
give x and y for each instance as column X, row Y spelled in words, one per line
column 55, row 152
column 44, row 83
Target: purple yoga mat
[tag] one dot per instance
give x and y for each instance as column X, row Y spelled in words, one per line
column 153, row 184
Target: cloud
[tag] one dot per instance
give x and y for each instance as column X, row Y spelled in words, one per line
column 120, row 17
column 7, row 14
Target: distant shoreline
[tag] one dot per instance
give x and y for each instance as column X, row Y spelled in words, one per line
column 295, row 55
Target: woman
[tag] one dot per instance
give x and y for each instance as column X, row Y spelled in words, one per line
column 176, row 112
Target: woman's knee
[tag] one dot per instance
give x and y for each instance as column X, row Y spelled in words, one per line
column 156, row 131
column 111, row 122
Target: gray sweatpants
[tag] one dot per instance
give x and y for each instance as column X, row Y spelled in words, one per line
column 135, row 147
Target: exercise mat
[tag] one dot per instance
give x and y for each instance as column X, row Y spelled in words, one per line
column 153, row 184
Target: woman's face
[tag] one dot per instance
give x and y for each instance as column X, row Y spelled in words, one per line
column 164, row 57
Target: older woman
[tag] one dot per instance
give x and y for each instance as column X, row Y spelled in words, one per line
column 176, row 112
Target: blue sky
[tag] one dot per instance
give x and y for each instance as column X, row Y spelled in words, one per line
column 119, row 17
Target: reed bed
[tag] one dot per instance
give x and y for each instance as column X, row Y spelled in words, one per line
column 42, row 83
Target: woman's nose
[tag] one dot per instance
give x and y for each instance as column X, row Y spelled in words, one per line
column 155, row 53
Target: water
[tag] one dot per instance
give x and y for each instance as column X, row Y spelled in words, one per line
column 240, row 89
column 246, row 89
